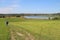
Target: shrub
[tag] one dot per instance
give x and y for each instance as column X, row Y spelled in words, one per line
column 56, row 18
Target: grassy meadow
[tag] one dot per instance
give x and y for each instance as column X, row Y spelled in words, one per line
column 39, row 29
column 4, row 31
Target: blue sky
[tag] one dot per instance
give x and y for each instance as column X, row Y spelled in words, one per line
column 29, row 6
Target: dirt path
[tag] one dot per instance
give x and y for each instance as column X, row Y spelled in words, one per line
column 19, row 36
column 12, row 36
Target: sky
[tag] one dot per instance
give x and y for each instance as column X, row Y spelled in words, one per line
column 29, row 6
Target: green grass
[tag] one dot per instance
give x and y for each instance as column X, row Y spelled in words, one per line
column 40, row 29
column 4, row 30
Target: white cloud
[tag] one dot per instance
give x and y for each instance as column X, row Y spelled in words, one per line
column 10, row 8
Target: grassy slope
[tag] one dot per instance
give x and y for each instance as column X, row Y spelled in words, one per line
column 4, row 31
column 42, row 29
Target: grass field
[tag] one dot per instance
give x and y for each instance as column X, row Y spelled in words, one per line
column 4, row 31
column 39, row 29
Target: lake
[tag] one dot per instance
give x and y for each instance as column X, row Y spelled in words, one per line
column 37, row 17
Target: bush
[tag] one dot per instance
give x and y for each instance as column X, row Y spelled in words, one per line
column 56, row 18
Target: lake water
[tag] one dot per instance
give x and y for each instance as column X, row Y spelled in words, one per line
column 36, row 17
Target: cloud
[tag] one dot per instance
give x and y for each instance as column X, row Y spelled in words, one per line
column 10, row 8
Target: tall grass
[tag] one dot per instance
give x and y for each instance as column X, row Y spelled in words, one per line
column 41, row 29
column 4, row 30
